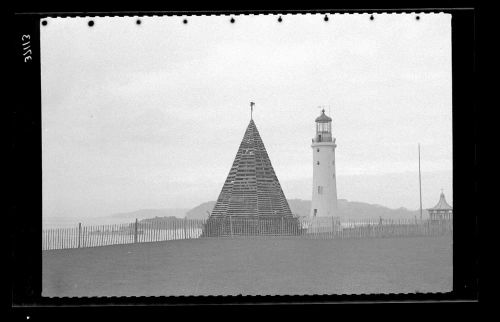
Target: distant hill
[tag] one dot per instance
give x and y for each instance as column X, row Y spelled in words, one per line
column 352, row 210
column 300, row 207
column 162, row 219
column 200, row 211
column 151, row 213
column 348, row 210
column 362, row 210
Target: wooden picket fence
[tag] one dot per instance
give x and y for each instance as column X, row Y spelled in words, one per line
column 137, row 232
column 323, row 228
column 230, row 227
column 314, row 228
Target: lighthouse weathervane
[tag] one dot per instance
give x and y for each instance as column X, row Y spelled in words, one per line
column 324, row 194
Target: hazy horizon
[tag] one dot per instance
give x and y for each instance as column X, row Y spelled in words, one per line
column 150, row 116
column 140, row 214
column 342, row 178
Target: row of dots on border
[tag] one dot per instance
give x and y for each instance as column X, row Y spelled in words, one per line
column 232, row 20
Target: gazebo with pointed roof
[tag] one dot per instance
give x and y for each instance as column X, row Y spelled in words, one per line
column 442, row 210
column 251, row 201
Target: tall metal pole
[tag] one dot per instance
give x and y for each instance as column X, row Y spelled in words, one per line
column 420, row 181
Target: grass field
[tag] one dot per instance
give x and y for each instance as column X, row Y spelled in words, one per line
column 283, row 265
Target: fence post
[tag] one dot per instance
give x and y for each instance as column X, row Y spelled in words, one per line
column 185, row 228
column 231, row 225
column 83, row 236
column 79, row 233
column 135, row 230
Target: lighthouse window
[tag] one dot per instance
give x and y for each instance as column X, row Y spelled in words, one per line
column 320, row 190
column 317, row 163
column 317, row 150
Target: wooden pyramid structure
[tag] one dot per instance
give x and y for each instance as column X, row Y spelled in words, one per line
column 251, row 201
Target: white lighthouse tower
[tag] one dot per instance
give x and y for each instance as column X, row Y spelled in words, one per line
column 324, row 196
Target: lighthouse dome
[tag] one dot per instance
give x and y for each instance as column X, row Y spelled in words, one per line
column 323, row 118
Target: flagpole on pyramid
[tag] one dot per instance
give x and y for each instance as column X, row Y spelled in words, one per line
column 251, row 110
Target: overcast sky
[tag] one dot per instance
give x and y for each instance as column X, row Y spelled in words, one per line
column 151, row 115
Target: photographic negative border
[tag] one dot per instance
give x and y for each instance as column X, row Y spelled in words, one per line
column 25, row 210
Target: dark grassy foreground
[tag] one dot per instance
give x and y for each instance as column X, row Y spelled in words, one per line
column 283, row 265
